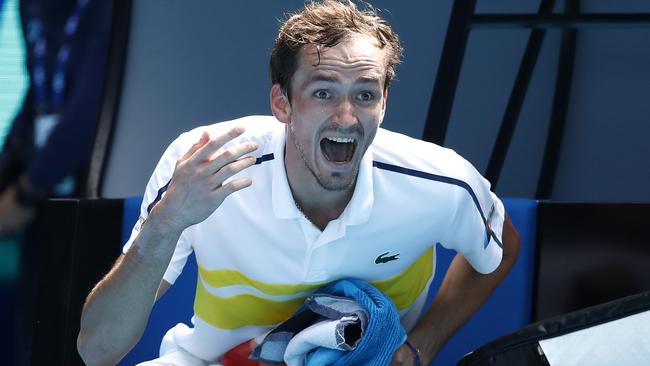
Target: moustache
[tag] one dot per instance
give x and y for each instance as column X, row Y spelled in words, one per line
column 344, row 129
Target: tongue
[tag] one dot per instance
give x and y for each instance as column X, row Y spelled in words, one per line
column 336, row 151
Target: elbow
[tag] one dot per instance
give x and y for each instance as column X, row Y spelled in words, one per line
column 92, row 353
column 84, row 349
column 88, row 353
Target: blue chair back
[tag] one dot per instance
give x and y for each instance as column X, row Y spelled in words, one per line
column 510, row 306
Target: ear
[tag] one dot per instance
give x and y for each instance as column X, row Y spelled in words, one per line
column 383, row 103
column 280, row 105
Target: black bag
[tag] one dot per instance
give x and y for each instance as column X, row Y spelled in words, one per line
column 523, row 346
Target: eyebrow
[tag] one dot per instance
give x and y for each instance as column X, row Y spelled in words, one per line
column 370, row 79
column 366, row 79
column 321, row 77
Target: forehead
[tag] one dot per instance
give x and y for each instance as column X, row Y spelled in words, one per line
column 359, row 55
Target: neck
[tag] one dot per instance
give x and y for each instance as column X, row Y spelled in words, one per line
column 327, row 208
column 318, row 204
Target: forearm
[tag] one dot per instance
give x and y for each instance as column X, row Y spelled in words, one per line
column 461, row 294
column 459, row 297
column 116, row 311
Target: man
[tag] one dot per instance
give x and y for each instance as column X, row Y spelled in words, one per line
column 275, row 207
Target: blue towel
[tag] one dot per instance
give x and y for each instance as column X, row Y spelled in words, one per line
column 371, row 316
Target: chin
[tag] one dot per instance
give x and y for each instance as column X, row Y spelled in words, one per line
column 337, row 183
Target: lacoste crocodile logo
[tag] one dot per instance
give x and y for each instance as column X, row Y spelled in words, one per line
column 382, row 259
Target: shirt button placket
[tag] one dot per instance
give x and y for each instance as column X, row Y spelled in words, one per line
column 318, row 272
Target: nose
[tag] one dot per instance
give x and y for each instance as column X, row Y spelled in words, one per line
column 345, row 113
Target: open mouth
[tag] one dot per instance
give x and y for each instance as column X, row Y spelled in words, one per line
column 338, row 150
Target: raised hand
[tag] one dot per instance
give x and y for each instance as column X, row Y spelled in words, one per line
column 197, row 186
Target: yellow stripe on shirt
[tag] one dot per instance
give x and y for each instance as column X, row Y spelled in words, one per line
column 251, row 310
column 242, row 310
column 230, row 277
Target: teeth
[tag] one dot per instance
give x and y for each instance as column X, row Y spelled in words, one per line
column 343, row 140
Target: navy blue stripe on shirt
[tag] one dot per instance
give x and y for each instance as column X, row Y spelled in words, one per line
column 163, row 189
column 443, row 179
column 264, row 158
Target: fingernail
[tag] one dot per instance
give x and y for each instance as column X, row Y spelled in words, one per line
column 238, row 129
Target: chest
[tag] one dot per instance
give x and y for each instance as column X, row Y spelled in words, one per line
column 294, row 251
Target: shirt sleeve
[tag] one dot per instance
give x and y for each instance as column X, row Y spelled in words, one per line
column 156, row 189
column 477, row 224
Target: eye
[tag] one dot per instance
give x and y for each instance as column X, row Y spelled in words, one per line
column 366, row 96
column 322, row 94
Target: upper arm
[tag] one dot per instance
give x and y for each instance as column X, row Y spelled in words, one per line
column 511, row 242
column 162, row 289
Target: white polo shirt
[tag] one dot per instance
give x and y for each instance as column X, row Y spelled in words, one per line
column 259, row 257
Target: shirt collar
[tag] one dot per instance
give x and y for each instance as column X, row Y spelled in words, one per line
column 358, row 209
column 284, row 206
column 360, row 206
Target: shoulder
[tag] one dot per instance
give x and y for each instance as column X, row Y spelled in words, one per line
column 410, row 154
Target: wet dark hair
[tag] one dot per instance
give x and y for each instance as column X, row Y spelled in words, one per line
column 326, row 24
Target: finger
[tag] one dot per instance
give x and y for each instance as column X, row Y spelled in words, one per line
column 231, row 169
column 202, row 141
column 207, row 150
column 231, row 154
column 234, row 186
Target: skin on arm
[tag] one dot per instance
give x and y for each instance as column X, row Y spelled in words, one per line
column 462, row 292
column 117, row 309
